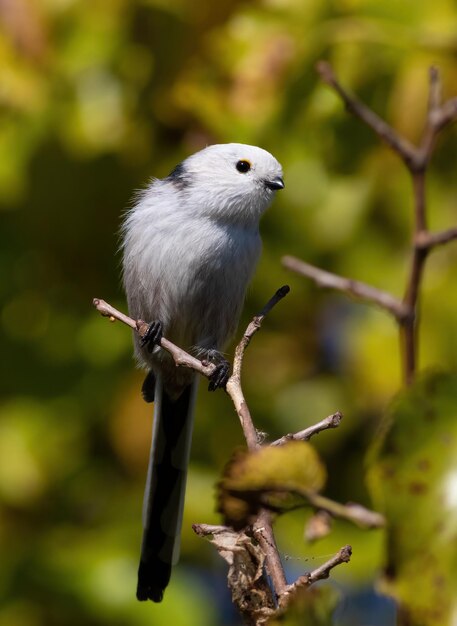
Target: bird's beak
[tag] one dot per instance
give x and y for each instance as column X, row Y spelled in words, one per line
column 275, row 183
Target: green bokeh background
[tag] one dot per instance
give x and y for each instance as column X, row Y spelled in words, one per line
column 96, row 97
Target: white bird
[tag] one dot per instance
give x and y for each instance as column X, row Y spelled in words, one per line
column 190, row 245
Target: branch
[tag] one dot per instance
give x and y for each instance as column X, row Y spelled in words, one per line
column 331, row 421
column 427, row 240
column 253, row 327
column 322, row 572
column 349, row 286
column 352, row 512
column 262, row 526
column 180, row 356
column 233, row 386
column 399, row 144
column 439, row 115
column 435, row 90
column 446, row 115
column 416, row 159
column 251, row 592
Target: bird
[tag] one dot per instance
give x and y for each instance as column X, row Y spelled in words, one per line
column 190, row 244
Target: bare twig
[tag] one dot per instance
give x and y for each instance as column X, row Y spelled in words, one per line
column 109, row 311
column 262, row 527
column 435, row 92
column 429, row 240
column 355, row 288
column 322, row 572
column 416, row 159
column 180, row 356
column 246, row 559
column 233, row 387
column 352, row 512
column 398, row 143
column 253, row 327
column 439, row 115
column 331, row 421
column 204, row 530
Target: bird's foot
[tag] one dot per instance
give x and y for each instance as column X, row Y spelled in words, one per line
column 152, row 336
column 221, row 374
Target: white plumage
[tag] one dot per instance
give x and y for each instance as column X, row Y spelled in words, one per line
column 191, row 244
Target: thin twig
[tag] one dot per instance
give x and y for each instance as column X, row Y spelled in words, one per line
column 322, row 572
column 331, row 421
column 446, row 115
column 435, row 95
column 262, row 527
column 233, row 386
column 355, row 288
column 180, row 356
column 416, row 159
column 398, row 143
column 253, row 327
column 203, row 530
column 352, row 512
column 429, row 240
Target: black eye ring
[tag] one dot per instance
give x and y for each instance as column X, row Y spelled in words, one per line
column 243, row 166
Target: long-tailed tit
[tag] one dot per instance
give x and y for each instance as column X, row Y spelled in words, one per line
column 190, row 245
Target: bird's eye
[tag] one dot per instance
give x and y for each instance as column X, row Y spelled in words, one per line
column 243, row 166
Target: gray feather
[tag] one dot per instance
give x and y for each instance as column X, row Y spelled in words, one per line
column 190, row 245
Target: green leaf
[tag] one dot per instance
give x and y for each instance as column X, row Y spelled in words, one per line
column 272, row 477
column 413, row 479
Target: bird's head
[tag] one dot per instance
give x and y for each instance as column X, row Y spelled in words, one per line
column 232, row 182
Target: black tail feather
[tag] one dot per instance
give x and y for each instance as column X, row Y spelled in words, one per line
column 163, row 519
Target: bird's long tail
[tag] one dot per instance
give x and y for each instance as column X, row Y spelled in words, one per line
column 165, row 488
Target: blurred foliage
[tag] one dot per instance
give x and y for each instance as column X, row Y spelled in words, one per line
column 96, row 97
column 413, row 471
column 274, row 477
column 309, row 607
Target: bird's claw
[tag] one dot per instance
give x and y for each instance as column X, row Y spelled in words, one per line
column 152, row 336
column 220, row 376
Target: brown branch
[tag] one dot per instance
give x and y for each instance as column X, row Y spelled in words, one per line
column 352, row 512
column 398, row 143
column 416, row 159
column 331, row 421
column 322, row 572
column 439, row 115
column 427, row 240
column 180, row 356
column 204, row 530
column 435, row 90
column 253, row 327
column 262, row 527
column 233, row 386
column 437, row 118
column 351, row 287
column 251, row 593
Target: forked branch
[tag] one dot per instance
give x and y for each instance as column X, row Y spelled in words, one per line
column 416, row 159
column 262, row 528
